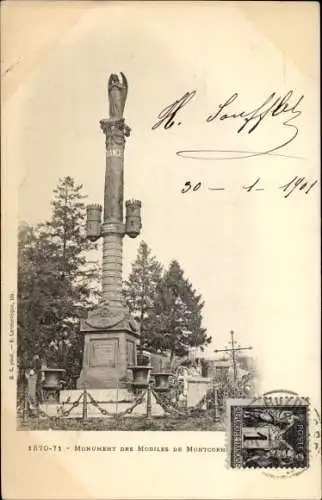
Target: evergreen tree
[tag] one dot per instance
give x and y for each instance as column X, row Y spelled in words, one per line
column 140, row 291
column 36, row 275
column 56, row 282
column 66, row 230
column 177, row 314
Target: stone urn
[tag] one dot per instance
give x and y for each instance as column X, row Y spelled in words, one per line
column 162, row 381
column 140, row 375
column 51, row 384
column 143, row 358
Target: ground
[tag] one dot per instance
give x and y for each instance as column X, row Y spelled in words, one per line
column 201, row 422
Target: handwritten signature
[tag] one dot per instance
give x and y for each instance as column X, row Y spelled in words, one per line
column 248, row 121
column 299, row 183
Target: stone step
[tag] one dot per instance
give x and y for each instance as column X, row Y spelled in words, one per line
column 107, row 395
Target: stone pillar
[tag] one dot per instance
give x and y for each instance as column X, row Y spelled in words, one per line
column 112, row 269
column 110, row 334
column 113, row 228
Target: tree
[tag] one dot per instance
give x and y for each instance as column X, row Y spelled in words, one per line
column 35, row 277
column 140, row 291
column 66, row 229
column 56, row 281
column 177, row 318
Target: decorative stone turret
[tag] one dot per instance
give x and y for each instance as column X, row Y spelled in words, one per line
column 133, row 218
column 110, row 334
column 94, row 221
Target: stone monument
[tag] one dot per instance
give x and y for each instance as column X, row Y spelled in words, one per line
column 110, row 333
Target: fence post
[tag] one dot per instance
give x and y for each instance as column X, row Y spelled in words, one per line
column 216, row 409
column 149, row 403
column 117, row 398
column 84, row 416
column 25, row 413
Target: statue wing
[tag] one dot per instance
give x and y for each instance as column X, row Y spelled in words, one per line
column 124, row 88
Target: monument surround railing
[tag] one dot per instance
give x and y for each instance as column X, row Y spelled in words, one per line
column 170, row 407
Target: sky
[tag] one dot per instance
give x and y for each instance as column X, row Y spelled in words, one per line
column 245, row 252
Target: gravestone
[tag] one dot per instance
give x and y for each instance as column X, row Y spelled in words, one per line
column 197, row 387
column 32, row 380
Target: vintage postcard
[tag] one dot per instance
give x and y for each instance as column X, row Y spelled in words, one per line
column 161, row 250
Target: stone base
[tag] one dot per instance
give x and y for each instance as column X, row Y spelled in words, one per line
column 110, row 338
column 107, row 356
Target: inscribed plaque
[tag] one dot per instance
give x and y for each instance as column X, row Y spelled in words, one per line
column 104, row 353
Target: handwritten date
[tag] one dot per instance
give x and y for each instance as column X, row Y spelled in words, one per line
column 297, row 183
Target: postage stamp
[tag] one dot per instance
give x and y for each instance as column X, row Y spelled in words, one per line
column 263, row 435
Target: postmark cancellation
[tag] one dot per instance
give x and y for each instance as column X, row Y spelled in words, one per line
column 265, row 434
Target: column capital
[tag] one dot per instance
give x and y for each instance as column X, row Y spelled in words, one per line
column 115, row 131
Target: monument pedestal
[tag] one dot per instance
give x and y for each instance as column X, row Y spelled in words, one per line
column 110, row 339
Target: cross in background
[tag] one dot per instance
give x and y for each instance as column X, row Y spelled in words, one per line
column 233, row 349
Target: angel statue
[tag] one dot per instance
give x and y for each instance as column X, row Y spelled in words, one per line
column 117, row 92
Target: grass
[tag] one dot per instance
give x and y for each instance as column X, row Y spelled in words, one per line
column 201, row 422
